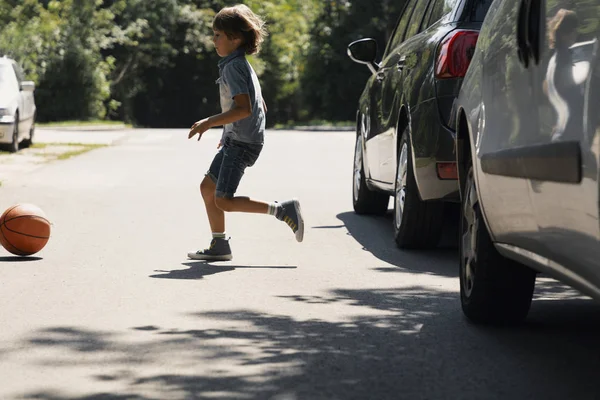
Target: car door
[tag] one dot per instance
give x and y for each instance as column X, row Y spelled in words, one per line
column 407, row 65
column 27, row 96
column 503, row 126
column 565, row 194
column 383, row 91
column 22, row 102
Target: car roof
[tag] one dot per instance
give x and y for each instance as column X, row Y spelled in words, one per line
column 5, row 60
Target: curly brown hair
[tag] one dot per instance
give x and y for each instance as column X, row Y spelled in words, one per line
column 563, row 23
column 239, row 21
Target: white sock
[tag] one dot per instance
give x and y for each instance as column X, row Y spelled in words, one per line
column 273, row 207
column 217, row 235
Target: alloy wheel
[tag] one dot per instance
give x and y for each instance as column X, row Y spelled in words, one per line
column 401, row 181
column 470, row 227
column 358, row 161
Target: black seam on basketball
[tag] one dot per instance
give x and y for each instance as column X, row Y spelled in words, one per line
column 26, row 216
column 9, row 210
column 26, row 234
column 17, row 251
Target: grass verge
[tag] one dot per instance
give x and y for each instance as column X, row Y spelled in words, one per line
column 80, row 123
column 77, row 149
column 83, row 148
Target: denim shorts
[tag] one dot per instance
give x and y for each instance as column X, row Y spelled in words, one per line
column 229, row 164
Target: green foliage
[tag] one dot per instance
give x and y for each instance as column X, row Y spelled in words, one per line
column 332, row 83
column 152, row 63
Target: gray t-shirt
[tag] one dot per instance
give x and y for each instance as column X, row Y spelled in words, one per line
column 236, row 76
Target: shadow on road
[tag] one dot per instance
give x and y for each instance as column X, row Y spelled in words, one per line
column 200, row 269
column 19, row 259
column 376, row 235
column 403, row 343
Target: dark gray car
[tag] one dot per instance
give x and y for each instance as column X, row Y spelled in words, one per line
column 405, row 129
column 528, row 153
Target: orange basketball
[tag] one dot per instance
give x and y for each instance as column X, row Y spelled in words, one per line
column 24, row 229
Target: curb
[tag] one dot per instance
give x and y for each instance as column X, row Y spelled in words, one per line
column 85, row 128
column 316, row 128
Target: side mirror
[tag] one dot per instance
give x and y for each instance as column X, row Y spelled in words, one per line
column 364, row 51
column 27, row 86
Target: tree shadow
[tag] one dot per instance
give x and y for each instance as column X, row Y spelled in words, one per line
column 200, row 269
column 376, row 235
column 400, row 343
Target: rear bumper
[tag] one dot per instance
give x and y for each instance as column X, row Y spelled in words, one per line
column 6, row 131
column 426, row 160
column 431, row 187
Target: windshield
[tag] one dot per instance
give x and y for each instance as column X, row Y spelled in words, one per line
column 5, row 76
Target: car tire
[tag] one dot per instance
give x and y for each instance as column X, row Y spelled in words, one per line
column 13, row 147
column 493, row 289
column 417, row 224
column 364, row 200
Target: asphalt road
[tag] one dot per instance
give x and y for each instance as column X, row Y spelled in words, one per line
column 112, row 309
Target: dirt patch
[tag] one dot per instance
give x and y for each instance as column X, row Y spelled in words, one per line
column 28, row 159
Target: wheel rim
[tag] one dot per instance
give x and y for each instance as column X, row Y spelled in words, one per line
column 401, row 179
column 358, row 160
column 470, row 227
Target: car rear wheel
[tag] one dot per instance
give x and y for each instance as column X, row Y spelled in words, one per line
column 417, row 224
column 493, row 289
column 364, row 200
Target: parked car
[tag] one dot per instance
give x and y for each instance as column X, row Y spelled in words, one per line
column 17, row 106
column 404, row 127
column 528, row 149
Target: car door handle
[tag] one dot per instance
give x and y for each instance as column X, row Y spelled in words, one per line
column 401, row 63
column 380, row 76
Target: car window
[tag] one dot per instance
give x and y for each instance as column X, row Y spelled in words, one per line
column 480, row 9
column 18, row 73
column 398, row 36
column 417, row 18
column 440, row 9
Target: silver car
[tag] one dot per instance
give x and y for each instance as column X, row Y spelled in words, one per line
column 528, row 151
column 17, row 106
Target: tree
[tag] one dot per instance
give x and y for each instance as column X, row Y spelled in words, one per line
column 332, row 83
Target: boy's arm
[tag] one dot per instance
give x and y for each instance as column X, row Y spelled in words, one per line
column 241, row 110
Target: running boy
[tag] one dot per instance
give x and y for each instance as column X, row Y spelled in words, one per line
column 237, row 32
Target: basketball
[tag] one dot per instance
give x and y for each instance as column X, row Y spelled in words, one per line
column 24, row 229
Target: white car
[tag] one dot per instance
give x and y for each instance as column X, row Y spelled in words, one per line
column 17, row 106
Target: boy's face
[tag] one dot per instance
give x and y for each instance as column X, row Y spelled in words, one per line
column 224, row 45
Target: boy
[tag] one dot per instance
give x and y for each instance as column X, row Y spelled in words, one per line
column 237, row 32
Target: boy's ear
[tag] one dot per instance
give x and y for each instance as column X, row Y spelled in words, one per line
column 239, row 39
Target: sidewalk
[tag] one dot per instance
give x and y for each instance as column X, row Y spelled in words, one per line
column 81, row 135
column 57, row 143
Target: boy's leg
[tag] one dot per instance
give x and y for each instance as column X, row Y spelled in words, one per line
column 219, row 249
column 287, row 211
column 235, row 161
column 241, row 204
column 216, row 216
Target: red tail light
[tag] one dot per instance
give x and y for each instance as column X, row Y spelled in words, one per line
column 455, row 54
column 447, row 170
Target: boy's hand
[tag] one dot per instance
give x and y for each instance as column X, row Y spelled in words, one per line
column 199, row 128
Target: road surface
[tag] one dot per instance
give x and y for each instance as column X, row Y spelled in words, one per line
column 112, row 309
